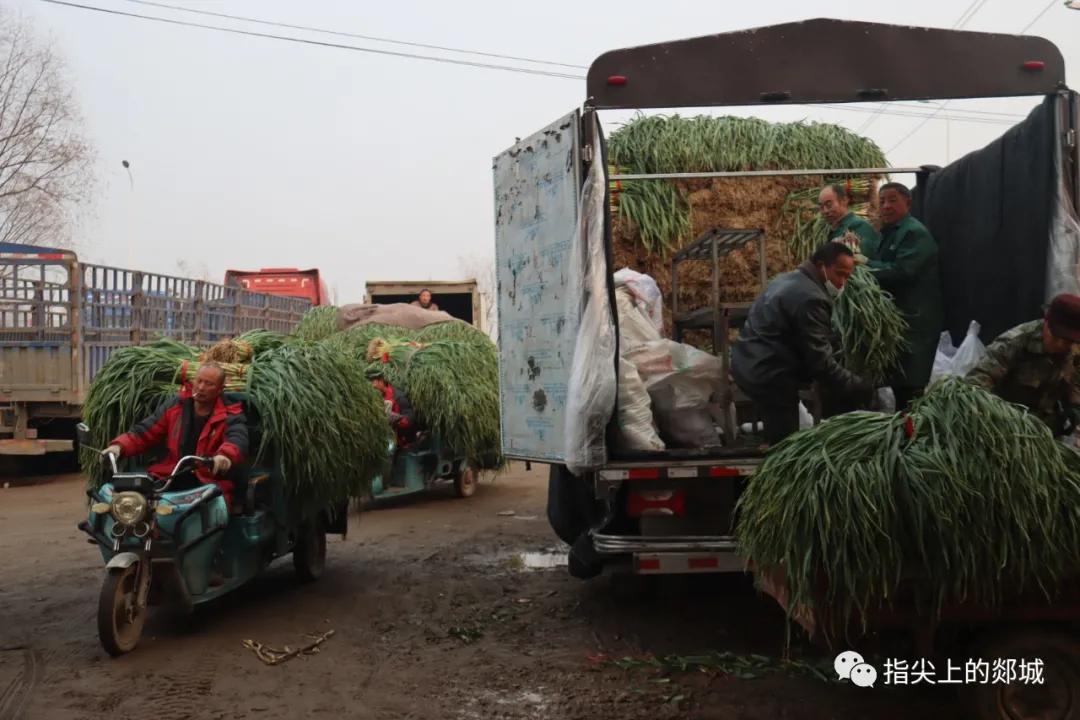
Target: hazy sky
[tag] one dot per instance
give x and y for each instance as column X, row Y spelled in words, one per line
column 250, row 152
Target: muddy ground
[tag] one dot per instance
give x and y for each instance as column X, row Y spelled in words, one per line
column 437, row 613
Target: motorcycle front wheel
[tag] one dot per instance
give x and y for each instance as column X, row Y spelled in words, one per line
column 119, row 619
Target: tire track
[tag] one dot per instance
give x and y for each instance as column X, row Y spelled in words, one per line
column 16, row 696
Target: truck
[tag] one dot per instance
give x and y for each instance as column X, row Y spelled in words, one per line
column 460, row 298
column 1004, row 217
column 289, row 282
column 61, row 320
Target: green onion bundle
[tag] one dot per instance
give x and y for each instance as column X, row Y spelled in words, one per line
column 871, row 328
column 321, row 420
column 455, row 392
column 318, row 420
column 317, row 324
column 969, row 499
column 665, row 144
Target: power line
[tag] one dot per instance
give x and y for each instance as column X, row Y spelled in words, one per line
column 491, row 66
column 1038, row 17
column 961, row 23
column 357, row 36
column 969, row 14
column 996, row 113
column 320, row 43
column 903, row 113
column 965, row 17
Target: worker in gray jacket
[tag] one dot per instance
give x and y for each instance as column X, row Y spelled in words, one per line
column 786, row 341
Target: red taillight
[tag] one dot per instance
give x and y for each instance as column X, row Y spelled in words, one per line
column 1033, row 65
column 616, row 80
column 724, row 472
column 650, row 564
column 646, row 474
column 655, row 502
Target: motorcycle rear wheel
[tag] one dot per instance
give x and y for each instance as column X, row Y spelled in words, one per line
column 120, row 622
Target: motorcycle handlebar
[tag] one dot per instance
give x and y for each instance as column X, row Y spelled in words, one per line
column 197, row 459
column 177, row 469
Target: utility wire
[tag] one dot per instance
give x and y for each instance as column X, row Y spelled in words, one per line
column 491, row 66
column 927, row 116
column 965, row 17
column 969, row 14
column 180, row 8
column 1038, row 17
column 320, row 43
column 942, row 106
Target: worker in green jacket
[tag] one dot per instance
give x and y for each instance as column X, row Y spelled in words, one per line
column 833, row 201
column 905, row 263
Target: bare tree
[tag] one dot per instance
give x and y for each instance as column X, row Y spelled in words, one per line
column 482, row 269
column 45, row 164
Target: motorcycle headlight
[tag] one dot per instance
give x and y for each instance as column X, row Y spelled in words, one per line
column 128, row 508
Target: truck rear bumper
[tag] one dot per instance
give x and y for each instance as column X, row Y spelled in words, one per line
column 34, row 447
column 677, row 554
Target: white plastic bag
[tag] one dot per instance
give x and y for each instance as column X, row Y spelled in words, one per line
column 692, row 374
column 970, row 353
column 591, row 389
column 806, row 420
column 635, row 327
column 635, row 419
column 943, row 357
column 646, row 294
column 958, row 361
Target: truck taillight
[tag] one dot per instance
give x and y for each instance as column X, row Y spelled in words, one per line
column 724, row 472
column 643, row 474
column 655, row 502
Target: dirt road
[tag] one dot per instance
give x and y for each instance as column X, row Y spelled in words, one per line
column 438, row 613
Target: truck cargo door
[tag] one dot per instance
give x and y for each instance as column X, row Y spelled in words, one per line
column 537, row 187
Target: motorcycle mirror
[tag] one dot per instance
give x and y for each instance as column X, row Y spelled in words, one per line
column 82, row 432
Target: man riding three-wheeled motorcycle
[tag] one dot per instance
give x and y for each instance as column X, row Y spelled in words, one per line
column 201, row 521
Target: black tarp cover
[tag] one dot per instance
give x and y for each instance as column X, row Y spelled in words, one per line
column 990, row 212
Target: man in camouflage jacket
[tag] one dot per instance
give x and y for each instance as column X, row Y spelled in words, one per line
column 1037, row 365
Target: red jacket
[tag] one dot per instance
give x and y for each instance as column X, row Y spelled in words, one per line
column 225, row 433
column 399, row 405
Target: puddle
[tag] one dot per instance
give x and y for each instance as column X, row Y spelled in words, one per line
column 530, row 703
column 538, row 560
column 523, row 561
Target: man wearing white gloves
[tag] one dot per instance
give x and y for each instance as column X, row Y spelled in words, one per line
column 195, row 421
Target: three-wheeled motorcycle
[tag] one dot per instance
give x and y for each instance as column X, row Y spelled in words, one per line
column 423, row 465
column 187, row 547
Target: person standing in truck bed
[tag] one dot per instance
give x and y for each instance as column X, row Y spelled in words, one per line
column 905, row 263
column 786, row 341
column 833, row 203
column 424, row 300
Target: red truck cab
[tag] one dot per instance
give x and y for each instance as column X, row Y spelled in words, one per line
column 289, row 282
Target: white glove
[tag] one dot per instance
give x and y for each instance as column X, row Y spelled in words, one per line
column 113, row 450
column 221, row 465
